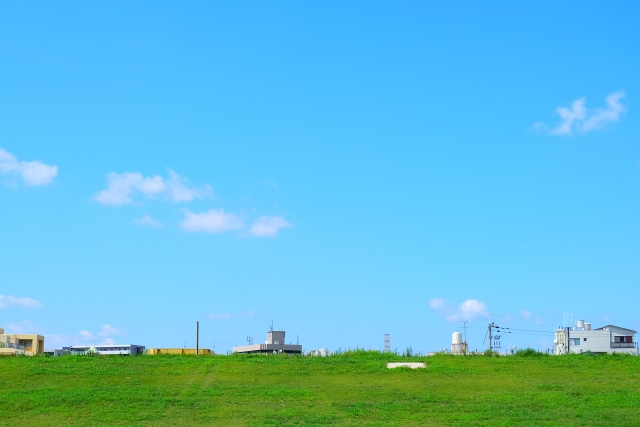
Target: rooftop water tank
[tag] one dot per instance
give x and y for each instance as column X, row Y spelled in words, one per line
column 587, row 326
column 456, row 338
column 579, row 323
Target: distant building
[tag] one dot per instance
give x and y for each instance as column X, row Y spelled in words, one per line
column 607, row 339
column 274, row 344
column 106, row 349
column 54, row 352
column 457, row 346
column 180, row 351
column 21, row 344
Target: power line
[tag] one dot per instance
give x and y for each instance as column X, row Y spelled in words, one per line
column 530, row 330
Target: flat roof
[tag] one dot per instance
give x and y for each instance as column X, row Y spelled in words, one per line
column 106, row 345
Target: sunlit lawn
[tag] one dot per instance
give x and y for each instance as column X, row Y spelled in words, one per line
column 304, row 391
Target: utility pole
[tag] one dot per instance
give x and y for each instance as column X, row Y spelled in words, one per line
column 197, row 337
column 490, row 338
column 464, row 326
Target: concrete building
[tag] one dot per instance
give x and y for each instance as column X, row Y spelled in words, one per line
column 457, row 346
column 21, row 344
column 275, row 343
column 106, row 349
column 55, row 352
column 607, row 339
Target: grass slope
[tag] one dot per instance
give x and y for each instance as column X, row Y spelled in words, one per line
column 353, row 389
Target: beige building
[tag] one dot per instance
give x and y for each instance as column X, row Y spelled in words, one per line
column 20, row 344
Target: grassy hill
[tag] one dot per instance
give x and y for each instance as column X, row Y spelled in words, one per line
column 349, row 389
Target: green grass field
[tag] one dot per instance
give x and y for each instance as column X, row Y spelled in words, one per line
column 354, row 389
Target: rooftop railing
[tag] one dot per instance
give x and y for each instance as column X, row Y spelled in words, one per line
column 10, row 345
column 623, row 344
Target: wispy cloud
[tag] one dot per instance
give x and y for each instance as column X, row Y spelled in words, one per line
column 436, row 303
column 268, row 226
column 227, row 315
column 7, row 301
column 527, row 315
column 83, row 337
column 148, row 221
column 271, row 184
column 32, row 173
column 25, row 327
column 108, row 330
column 212, row 221
column 577, row 119
column 123, row 187
column 452, row 312
column 105, row 331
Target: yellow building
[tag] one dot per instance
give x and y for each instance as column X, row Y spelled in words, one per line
column 181, row 351
column 20, row 344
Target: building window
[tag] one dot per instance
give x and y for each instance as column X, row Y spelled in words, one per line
column 575, row 341
column 585, row 339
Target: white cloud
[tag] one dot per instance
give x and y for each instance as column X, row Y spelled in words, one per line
column 32, row 173
column 538, row 321
column 122, row 187
column 268, row 226
column 86, row 334
column 578, row 119
column 7, row 301
column 601, row 118
column 468, row 310
column 147, row 220
column 569, row 116
column 109, row 330
column 212, row 221
column 436, row 303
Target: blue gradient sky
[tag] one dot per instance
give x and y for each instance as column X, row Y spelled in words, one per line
column 413, row 151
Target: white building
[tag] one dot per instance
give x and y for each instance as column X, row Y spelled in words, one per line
column 457, row 346
column 608, row 339
column 274, row 344
column 106, row 349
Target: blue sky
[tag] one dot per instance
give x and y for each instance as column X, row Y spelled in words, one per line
column 343, row 169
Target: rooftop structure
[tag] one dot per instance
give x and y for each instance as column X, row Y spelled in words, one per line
column 21, row 344
column 607, row 339
column 274, row 344
column 457, row 346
